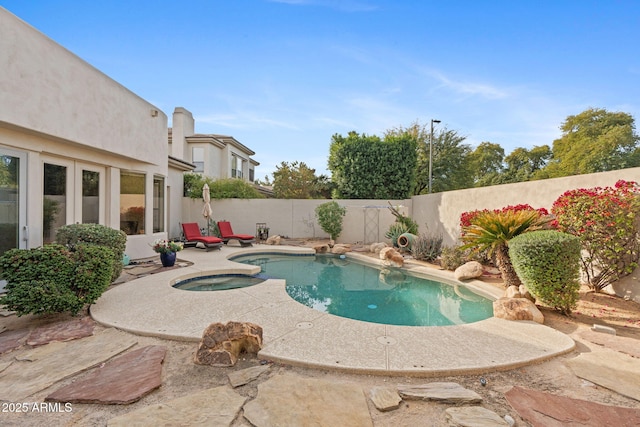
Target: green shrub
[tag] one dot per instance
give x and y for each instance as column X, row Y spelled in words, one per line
column 426, row 247
column 329, row 217
column 548, row 263
column 54, row 279
column 453, row 257
column 116, row 240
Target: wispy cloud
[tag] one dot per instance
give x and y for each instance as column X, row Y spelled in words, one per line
column 342, row 5
column 245, row 120
column 470, row 88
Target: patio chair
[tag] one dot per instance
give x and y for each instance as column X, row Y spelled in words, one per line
column 193, row 236
column 226, row 233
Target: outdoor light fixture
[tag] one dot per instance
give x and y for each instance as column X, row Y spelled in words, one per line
column 431, row 153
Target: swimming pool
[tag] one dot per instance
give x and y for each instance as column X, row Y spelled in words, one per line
column 351, row 289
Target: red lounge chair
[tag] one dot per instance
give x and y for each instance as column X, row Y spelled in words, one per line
column 227, row 234
column 192, row 235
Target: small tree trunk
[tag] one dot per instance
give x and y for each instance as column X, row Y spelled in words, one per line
column 506, row 268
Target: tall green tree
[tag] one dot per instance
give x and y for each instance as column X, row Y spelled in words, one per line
column 368, row 167
column 486, row 163
column 524, row 165
column 295, row 180
column 595, row 140
column 452, row 169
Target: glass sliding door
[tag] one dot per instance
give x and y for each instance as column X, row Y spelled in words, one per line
column 132, row 202
column 90, row 197
column 158, row 204
column 54, row 207
column 12, row 201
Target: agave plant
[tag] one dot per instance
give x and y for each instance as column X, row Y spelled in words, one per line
column 492, row 230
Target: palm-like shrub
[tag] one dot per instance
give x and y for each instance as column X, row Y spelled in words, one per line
column 492, row 230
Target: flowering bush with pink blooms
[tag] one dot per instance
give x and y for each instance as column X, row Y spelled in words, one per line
column 606, row 219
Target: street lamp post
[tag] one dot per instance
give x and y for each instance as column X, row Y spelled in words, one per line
column 431, row 153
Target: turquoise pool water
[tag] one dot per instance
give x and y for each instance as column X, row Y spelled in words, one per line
column 347, row 288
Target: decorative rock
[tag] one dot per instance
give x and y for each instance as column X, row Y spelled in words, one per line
column 625, row 345
column 340, row 249
column 63, row 331
column 526, row 294
column 604, row 329
column 12, row 339
column 469, row 270
column 385, row 398
column 517, row 309
column 474, row 416
column 53, row 362
column 273, row 240
column 390, row 256
column 290, row 401
column 607, row 368
column 512, row 292
column 544, row 409
column 446, row 392
column 213, row 407
column 377, row 247
column 245, row 376
column 221, row 344
column 123, row 380
column 321, row 249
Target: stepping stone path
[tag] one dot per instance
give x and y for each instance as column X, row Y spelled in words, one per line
column 622, row 344
column 245, row 376
column 289, row 400
column 62, row 331
column 213, row 407
column 123, row 380
column 43, row 366
column 385, row 398
column 474, row 416
column 548, row 410
column 610, row 369
column 444, row 392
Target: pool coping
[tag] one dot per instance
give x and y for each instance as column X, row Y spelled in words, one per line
column 301, row 336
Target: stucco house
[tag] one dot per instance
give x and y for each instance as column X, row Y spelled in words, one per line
column 78, row 147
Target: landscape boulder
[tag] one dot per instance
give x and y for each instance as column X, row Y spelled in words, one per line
column 222, row 343
column 390, row 256
column 377, row 247
column 273, row 240
column 340, row 249
column 517, row 309
column 469, row 270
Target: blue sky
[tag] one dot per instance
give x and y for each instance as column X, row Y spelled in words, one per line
column 283, row 76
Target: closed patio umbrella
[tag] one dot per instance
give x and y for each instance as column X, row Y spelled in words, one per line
column 206, row 210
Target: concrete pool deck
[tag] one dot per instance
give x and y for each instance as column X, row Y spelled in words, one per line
column 298, row 335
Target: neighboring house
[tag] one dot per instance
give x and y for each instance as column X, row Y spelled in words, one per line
column 215, row 156
column 78, row 147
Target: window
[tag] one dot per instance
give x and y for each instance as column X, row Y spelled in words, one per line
column 198, row 159
column 236, row 167
column 158, row 204
column 132, row 196
column 90, row 197
column 11, row 179
column 54, row 207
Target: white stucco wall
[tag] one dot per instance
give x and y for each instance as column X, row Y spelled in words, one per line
column 56, row 93
column 56, row 108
